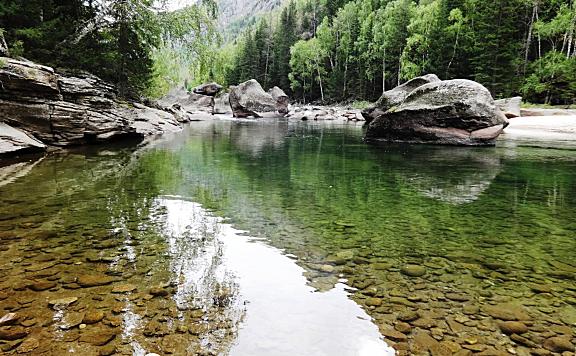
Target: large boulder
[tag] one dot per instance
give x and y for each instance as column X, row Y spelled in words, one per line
column 208, row 89
column 250, row 100
column 453, row 112
column 14, row 141
column 222, row 104
column 396, row 96
column 195, row 103
column 281, row 99
column 510, row 106
column 191, row 103
column 71, row 110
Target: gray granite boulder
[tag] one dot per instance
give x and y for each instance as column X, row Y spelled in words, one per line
column 453, row 112
column 248, row 99
column 510, row 106
column 396, row 96
column 222, row 104
column 282, row 100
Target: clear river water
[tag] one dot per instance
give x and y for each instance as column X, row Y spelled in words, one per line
column 276, row 237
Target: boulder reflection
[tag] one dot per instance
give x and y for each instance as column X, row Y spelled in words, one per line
column 455, row 175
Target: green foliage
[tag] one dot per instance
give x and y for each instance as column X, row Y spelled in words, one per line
column 360, row 104
column 364, row 47
column 552, row 80
column 415, row 59
column 306, row 66
column 132, row 43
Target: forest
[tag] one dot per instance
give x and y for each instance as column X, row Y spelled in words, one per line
column 138, row 45
column 316, row 50
column 334, row 50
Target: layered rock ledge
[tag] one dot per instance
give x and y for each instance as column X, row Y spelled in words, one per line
column 40, row 107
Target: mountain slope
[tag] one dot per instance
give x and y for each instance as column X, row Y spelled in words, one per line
column 235, row 15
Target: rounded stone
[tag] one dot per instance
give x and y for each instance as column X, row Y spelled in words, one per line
column 559, row 344
column 93, row 316
column 403, row 327
column 373, row 302
column 158, row 292
column 413, row 270
column 408, row 315
column 512, row 327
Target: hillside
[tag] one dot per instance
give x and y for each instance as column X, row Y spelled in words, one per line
column 236, row 15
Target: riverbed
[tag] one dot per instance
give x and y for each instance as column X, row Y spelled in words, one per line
column 278, row 237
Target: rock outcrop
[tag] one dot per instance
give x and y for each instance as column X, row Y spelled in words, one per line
column 72, row 110
column 250, row 100
column 396, row 96
column 13, row 140
column 510, row 106
column 454, row 112
column 282, row 100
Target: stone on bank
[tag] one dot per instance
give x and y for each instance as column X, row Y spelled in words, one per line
column 451, row 112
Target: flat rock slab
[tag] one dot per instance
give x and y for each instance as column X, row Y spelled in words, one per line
column 28, row 345
column 9, row 319
column 42, row 286
column 13, row 333
column 506, row 312
column 124, row 288
column 98, row 338
column 71, row 320
column 62, row 302
column 13, row 140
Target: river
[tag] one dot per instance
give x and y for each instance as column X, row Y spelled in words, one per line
column 276, row 237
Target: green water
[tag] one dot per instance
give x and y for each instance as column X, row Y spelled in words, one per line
column 489, row 226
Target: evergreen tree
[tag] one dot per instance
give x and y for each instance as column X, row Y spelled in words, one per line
column 363, row 47
column 112, row 39
column 284, row 37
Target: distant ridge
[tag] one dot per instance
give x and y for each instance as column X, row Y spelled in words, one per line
column 236, row 15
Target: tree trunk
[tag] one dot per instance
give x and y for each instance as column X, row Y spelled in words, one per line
column 529, row 37
column 320, row 82
column 266, row 66
column 539, row 39
column 384, row 72
column 399, row 66
column 345, row 77
column 571, row 36
column 454, row 51
column 3, row 46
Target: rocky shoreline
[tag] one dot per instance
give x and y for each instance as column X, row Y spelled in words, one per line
column 42, row 108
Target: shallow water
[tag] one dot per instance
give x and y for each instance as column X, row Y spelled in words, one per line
column 288, row 238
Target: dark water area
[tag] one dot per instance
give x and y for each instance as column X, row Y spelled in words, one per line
column 288, row 238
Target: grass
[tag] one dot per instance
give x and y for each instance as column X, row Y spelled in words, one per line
column 526, row 105
column 360, row 104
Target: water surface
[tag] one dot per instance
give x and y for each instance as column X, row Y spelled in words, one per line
column 287, row 238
